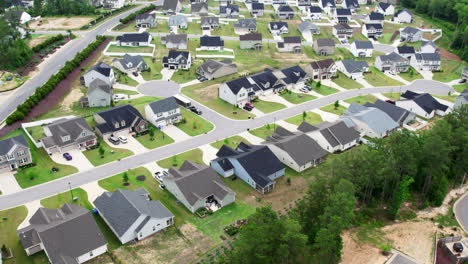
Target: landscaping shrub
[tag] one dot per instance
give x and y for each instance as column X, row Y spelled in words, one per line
column 105, row 15
column 132, row 16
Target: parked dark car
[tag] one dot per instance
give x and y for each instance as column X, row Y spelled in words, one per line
column 249, row 105
column 135, row 74
column 114, row 140
column 248, row 108
column 195, row 110
column 201, row 78
column 67, row 156
column 390, row 102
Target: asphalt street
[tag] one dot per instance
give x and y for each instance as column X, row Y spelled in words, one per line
column 461, row 212
column 224, row 127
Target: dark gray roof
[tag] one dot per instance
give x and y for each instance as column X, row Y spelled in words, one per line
column 406, row 49
column 395, row 112
column 352, row 3
column 178, row 20
column 72, row 127
column 120, row 113
column 425, row 101
column 175, row 38
column 251, row 36
column 211, row 41
column 102, row 68
column 335, row 133
column 123, row 207
column 363, row 44
column 197, row 181
column 129, row 61
column 145, row 16
column 278, row 24
column 328, row 2
column 354, row 66
column 170, row 4
column 211, row 66
column 300, row 147
column 427, row 56
column 322, row 64
column 384, row 6
column 66, row 233
column 164, row 105
column 428, row 43
column 374, row 25
column 410, row 30
column 173, row 54
column 232, row 8
column 7, row 144
column 246, row 23
column 325, row 42
column 236, row 85
column 198, row 6
column 315, row 9
column 393, row 57
column 343, row 12
column 98, row 84
column 258, row 6
column 285, row 8
column 134, row 37
column 292, row 39
column 307, row 26
column 403, row 10
column 343, row 27
column 376, row 16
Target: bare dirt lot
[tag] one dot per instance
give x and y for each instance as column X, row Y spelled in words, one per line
column 37, row 40
column 48, row 23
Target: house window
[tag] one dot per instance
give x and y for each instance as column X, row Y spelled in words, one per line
column 140, row 234
column 116, row 125
column 20, row 153
column 65, row 138
column 122, row 123
column 83, row 134
column 91, row 254
column 142, row 127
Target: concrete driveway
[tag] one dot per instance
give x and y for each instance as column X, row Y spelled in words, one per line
column 132, row 144
column 159, row 88
column 78, row 161
column 8, row 183
column 175, row 133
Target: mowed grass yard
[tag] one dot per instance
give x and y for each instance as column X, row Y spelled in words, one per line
column 324, row 90
column 334, row 110
column 264, row 131
column 115, row 48
column 345, row 82
column 450, row 70
column 311, row 117
column 362, row 99
column 230, row 141
column 160, row 139
column 297, row 98
column 411, row 75
column 193, row 124
column 194, row 155
column 378, row 78
column 110, row 154
column 267, row 106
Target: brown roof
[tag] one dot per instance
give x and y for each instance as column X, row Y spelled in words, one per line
column 322, row 64
column 251, row 36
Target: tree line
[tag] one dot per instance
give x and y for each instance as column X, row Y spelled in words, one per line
column 133, row 15
column 15, row 50
column 420, row 167
column 62, row 8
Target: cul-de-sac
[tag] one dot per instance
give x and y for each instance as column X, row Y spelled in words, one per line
column 233, row 131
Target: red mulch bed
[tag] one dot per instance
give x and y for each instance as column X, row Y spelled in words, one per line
column 56, row 95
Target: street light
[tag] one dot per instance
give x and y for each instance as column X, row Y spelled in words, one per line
column 71, row 191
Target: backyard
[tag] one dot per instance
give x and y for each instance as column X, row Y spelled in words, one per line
column 125, row 49
column 297, row 98
column 311, row 117
column 450, row 70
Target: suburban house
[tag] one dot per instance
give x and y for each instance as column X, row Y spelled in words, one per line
column 209, row 23
column 403, row 16
column 229, row 11
column 18, row 16
column 175, row 41
column 225, row 2
column 328, row 6
column 114, row 4
column 211, row 43
column 198, row 186
column 374, row 31
column 410, row 34
column 257, row 9
column 422, row 104
column 145, row 20
column 212, row 69
column 324, row 46
column 303, row 4
column 100, row 71
column 385, row 9
column 426, row 61
column 462, row 99
column 99, row 94
column 256, row 165
column 393, row 2
column 314, row 13
column 67, row 235
column 293, row 77
column 428, row 47
column 132, row 215
column 369, row 121
column 251, row 41
column 122, row 119
column 321, row 70
column 464, row 74
column 332, row 137
column 405, row 51
column 26, row 3
column 171, row 6
column 163, row 112
column 342, row 31
column 290, row 44
column 245, row 26
column 14, row 153
column 308, row 29
column 375, row 18
column 64, row 134
column 392, row 63
column 134, row 39
column 352, row 5
column 285, row 12
column 178, row 21
column 199, row 8
column 398, row 114
column 342, row 15
column 177, row 60
column 295, row 150
column 278, row 28
column 362, row 49
column 130, row 64
column 352, row 69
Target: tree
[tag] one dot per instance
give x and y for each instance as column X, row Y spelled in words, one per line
column 226, row 141
column 194, row 124
column 101, row 151
column 125, row 177
column 337, row 104
column 151, row 133
column 318, row 85
column 304, row 115
column 174, row 160
column 402, row 194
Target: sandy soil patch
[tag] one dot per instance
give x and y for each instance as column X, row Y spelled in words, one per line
column 356, row 253
column 291, row 57
column 38, row 40
column 103, row 259
column 444, row 209
column 59, row 23
column 445, row 54
column 207, row 93
column 167, row 247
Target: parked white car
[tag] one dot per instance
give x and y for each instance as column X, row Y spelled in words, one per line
column 119, row 97
column 123, row 139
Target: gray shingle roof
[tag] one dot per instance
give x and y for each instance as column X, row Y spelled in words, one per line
column 246, row 23
column 325, row 42
column 197, row 7
column 178, row 20
column 376, row 119
column 376, row 16
column 410, row 30
column 211, row 66
column 129, row 61
column 251, row 36
column 427, row 56
column 398, row 114
column 72, row 127
column 406, row 49
column 134, row 37
column 123, row 207
column 307, row 26
column 7, row 144
column 102, row 68
column 392, row 57
column 363, row 44
column 335, row 133
column 425, row 101
column 354, row 66
column 343, row 12
column 384, row 6
column 126, row 113
column 175, row 38
column 98, row 84
column 211, row 41
column 164, row 105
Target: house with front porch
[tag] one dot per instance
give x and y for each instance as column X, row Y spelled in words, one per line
column 285, row 12
column 361, row 49
column 256, row 165
column 245, row 26
column 392, row 63
column 373, row 31
column 145, row 20
column 324, row 46
column 352, row 69
column 321, row 70
column 163, row 112
column 342, row 31
column 426, row 61
column 209, row 23
column 278, row 28
column 14, row 153
column 120, row 120
column 314, row 13
column 410, row 34
column 251, row 41
column 424, row 104
column 385, row 9
column 134, row 39
column 177, row 60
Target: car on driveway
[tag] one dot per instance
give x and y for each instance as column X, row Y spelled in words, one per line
column 304, row 90
column 67, row 156
column 119, row 97
column 202, row 78
column 114, row 140
column 248, row 108
column 249, row 105
column 158, row 176
column 123, row 139
column 195, row 110
column 308, row 87
column 162, row 186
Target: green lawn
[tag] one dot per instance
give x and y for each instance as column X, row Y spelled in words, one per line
column 460, row 87
column 123, row 91
column 9, row 221
column 139, row 103
column 230, row 141
column 267, row 106
column 161, row 26
column 110, row 154
column 362, row 99
column 194, row 155
column 324, row 90
column 345, row 82
column 213, row 225
column 193, row 124
column 411, row 75
column 264, row 131
column 450, row 70
column 214, row 52
column 123, row 78
column 36, row 132
column 151, row 185
column 193, row 28
column 392, row 96
column 224, row 30
column 450, row 98
column 41, row 172
column 378, row 78
column 297, row 98
column 183, row 76
column 115, row 48
column 389, row 29
column 311, row 117
column 154, row 72
column 331, row 108
column 160, row 139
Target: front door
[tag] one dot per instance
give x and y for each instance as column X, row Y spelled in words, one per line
column 13, row 166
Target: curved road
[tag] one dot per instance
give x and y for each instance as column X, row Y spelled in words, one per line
column 224, row 127
column 461, row 212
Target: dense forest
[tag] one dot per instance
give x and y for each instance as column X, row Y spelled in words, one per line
column 62, row 8
column 452, row 14
column 15, row 51
column 365, row 184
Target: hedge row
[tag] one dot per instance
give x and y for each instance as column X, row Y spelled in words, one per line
column 48, row 42
column 132, row 16
column 25, row 108
column 105, row 15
